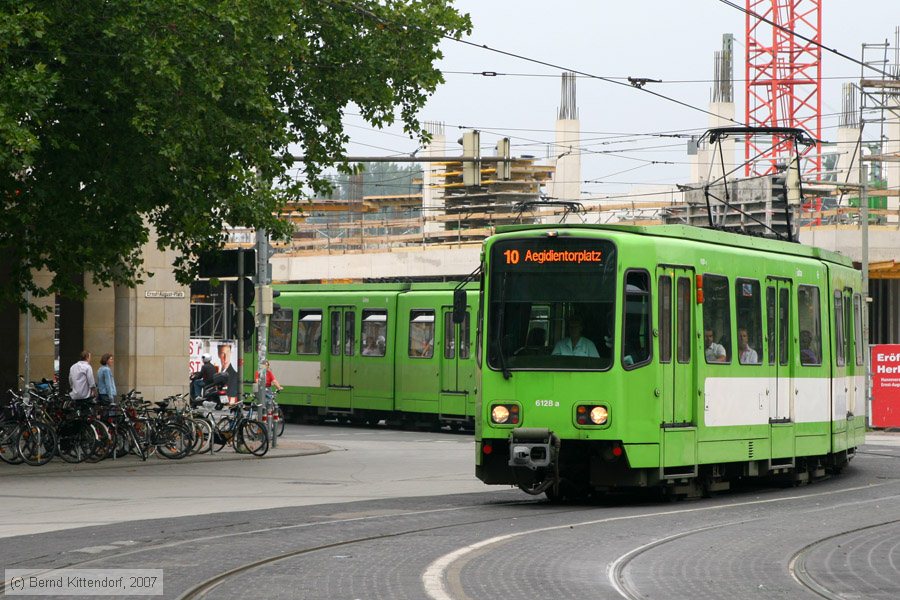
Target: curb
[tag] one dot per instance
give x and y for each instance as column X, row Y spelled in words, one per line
column 132, row 462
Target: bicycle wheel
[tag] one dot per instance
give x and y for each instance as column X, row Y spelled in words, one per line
column 202, row 435
column 223, row 433
column 173, row 441
column 143, row 432
column 9, row 450
column 75, row 441
column 253, row 438
column 279, row 421
column 105, row 442
column 36, row 444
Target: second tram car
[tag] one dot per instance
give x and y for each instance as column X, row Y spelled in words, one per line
column 367, row 352
column 626, row 356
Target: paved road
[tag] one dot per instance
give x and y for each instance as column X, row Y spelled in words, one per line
column 313, row 465
column 757, row 542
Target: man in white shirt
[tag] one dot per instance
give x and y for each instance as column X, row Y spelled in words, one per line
column 715, row 353
column 747, row 354
column 575, row 345
column 81, row 379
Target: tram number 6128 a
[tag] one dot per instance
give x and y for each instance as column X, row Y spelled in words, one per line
column 549, row 403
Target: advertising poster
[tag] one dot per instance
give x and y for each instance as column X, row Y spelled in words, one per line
column 886, row 385
column 224, row 358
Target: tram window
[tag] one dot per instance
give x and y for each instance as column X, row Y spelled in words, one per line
column 716, row 319
column 749, row 321
column 335, row 333
column 373, row 337
column 449, row 336
column 857, row 329
column 465, row 339
column 452, row 341
column 809, row 319
column 685, row 302
column 848, row 327
column 770, row 324
column 349, row 333
column 636, row 327
column 665, row 319
column 784, row 326
column 309, row 331
column 421, row 333
column 840, row 357
column 280, row 326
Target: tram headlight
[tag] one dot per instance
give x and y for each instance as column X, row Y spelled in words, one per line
column 591, row 414
column 505, row 414
column 599, row 415
column 499, row 414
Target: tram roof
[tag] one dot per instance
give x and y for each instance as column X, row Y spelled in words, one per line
column 703, row 235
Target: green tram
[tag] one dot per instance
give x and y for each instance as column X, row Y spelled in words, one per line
column 366, row 352
column 667, row 356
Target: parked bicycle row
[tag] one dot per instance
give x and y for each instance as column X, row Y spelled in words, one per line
column 43, row 424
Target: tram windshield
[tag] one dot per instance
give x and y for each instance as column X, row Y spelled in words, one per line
column 552, row 304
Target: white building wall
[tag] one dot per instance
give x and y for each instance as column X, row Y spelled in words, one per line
column 566, row 184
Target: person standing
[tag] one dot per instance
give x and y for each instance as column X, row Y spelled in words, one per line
column 106, row 383
column 81, row 379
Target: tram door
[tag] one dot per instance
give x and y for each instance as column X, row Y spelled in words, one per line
column 780, row 351
column 676, row 346
column 455, row 346
column 342, row 328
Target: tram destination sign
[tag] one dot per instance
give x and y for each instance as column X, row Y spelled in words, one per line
column 514, row 256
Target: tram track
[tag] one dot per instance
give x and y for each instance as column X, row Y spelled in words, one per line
column 797, row 565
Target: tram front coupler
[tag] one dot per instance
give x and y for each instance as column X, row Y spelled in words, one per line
column 534, row 459
column 533, row 448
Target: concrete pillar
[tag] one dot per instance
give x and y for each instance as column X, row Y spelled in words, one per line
column 99, row 322
column 566, row 184
column 433, row 199
column 43, row 351
column 724, row 164
column 152, row 329
column 848, row 159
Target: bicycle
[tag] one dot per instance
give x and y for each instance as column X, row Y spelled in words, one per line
column 244, row 434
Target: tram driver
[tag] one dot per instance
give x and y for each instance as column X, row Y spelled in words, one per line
column 575, row 344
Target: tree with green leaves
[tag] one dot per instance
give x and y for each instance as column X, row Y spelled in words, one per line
column 182, row 116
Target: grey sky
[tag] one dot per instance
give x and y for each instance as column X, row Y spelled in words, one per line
column 669, row 40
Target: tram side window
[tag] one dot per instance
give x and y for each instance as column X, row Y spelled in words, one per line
column 749, row 321
column 840, row 357
column 335, row 333
column 848, row 327
column 309, row 332
column 810, row 319
column 465, row 340
column 373, row 338
column 665, row 319
column 349, row 332
column 716, row 319
column 770, row 323
column 449, row 336
column 683, row 312
column 421, row 333
column 450, row 339
column 280, row 326
column 857, row 329
column 636, row 326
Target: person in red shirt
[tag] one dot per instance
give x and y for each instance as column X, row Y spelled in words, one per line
column 270, row 378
